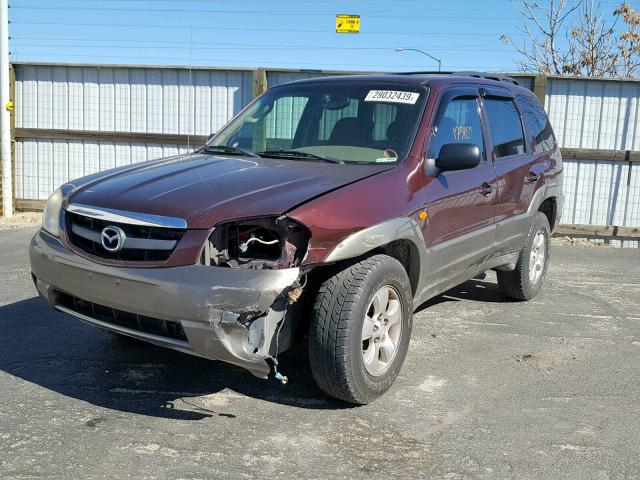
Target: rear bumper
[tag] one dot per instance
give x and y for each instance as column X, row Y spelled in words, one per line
column 209, row 302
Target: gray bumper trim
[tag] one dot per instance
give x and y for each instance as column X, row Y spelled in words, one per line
column 207, row 301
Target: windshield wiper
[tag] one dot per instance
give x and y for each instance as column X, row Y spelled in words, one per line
column 230, row 150
column 297, row 154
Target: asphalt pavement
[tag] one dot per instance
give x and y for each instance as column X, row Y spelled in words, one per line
column 491, row 389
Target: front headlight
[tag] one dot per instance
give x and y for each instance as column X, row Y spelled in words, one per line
column 259, row 243
column 51, row 215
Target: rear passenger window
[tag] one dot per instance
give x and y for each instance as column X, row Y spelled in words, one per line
column 538, row 123
column 460, row 123
column 506, row 128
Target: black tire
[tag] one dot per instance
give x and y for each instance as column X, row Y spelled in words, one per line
column 517, row 283
column 335, row 343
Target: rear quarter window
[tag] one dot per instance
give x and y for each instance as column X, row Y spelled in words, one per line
column 538, row 123
column 507, row 135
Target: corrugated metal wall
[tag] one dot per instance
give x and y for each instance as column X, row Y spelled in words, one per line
column 601, row 193
column 149, row 100
column 594, row 114
column 43, row 165
column 598, row 114
column 155, row 100
column 114, row 99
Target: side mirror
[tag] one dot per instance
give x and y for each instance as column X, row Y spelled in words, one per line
column 211, row 135
column 458, row 156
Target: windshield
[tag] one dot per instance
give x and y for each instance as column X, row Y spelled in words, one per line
column 336, row 122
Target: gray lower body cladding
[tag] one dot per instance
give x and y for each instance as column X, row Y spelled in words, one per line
column 226, row 314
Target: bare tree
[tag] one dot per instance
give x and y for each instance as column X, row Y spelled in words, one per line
column 577, row 39
column 543, row 26
column 629, row 42
column 592, row 51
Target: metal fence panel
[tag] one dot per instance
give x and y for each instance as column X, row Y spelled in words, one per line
column 597, row 193
column 129, row 99
column 42, row 165
column 594, row 114
column 599, row 114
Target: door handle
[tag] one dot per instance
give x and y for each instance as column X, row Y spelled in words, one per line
column 486, row 189
column 532, row 177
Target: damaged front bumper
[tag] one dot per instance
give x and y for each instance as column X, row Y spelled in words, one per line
column 225, row 314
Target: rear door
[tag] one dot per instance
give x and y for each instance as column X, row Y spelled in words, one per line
column 517, row 171
column 460, row 229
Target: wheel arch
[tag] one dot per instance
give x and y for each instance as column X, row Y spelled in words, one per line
column 549, row 207
column 548, row 201
column 400, row 238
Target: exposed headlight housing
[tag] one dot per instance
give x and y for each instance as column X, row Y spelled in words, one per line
column 51, row 214
column 258, row 243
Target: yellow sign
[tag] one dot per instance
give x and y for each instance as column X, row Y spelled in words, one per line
column 9, row 106
column 347, row 23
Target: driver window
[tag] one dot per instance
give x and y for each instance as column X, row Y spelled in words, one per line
column 460, row 123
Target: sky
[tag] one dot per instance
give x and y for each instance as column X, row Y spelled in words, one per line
column 464, row 34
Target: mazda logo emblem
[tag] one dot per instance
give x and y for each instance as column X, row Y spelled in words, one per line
column 112, row 238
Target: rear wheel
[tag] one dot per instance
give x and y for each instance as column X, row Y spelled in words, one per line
column 360, row 329
column 525, row 281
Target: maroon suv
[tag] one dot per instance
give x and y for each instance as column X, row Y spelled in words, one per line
column 327, row 209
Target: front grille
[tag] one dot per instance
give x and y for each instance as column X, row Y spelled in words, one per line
column 142, row 244
column 132, row 321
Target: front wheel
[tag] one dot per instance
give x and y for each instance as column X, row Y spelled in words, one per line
column 360, row 329
column 525, row 281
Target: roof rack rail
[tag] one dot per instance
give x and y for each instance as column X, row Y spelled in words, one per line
column 426, row 72
column 489, row 76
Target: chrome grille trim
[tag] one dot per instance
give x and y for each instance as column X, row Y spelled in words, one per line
column 129, row 242
column 132, row 218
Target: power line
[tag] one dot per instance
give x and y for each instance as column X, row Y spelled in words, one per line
column 264, row 12
column 256, row 29
column 166, row 45
column 225, row 44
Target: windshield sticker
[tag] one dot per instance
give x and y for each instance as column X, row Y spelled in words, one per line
column 390, row 155
column 392, row 96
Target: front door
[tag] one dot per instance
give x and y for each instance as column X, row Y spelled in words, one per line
column 460, row 231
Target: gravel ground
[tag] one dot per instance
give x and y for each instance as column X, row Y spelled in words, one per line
column 491, row 389
column 21, row 220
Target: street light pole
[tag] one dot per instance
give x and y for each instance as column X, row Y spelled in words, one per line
column 424, row 53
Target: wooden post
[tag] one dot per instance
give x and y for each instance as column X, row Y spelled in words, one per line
column 540, row 87
column 259, row 81
column 260, row 86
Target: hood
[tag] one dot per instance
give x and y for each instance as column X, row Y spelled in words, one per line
column 208, row 189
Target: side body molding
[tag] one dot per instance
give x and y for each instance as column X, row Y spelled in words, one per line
column 382, row 234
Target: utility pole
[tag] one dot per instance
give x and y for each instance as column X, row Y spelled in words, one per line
column 5, row 115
